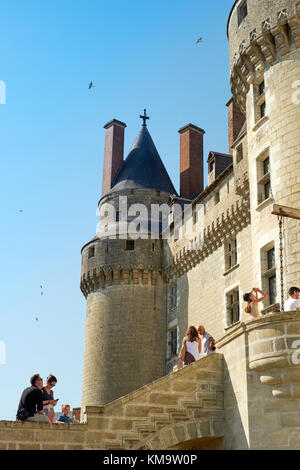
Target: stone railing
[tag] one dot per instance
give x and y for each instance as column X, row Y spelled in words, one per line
column 184, row 406
column 181, row 407
column 263, row 360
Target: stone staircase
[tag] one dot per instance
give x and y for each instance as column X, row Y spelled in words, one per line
column 186, row 403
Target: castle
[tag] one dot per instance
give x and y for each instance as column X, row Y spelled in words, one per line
column 142, row 293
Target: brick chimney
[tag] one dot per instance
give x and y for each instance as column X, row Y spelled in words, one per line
column 236, row 120
column 191, row 160
column 113, row 153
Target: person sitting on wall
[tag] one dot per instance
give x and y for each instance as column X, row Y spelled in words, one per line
column 31, row 403
column 48, row 398
column 292, row 303
column 191, row 347
column 207, row 340
column 64, row 417
column 251, row 301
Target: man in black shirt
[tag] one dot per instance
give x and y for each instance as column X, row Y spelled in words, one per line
column 31, row 403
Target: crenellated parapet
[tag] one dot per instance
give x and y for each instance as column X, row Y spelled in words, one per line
column 106, row 276
column 259, row 41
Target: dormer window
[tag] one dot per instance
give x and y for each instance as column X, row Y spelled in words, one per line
column 211, row 166
column 242, row 11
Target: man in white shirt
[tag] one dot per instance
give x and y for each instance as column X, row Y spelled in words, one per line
column 292, row 304
column 208, row 343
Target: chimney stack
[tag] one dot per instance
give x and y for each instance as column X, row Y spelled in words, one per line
column 236, row 120
column 191, row 160
column 113, row 153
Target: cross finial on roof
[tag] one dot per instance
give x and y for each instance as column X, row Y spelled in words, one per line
column 144, row 117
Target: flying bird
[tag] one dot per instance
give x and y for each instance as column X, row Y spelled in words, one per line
column 41, row 287
column 91, row 85
column 42, row 293
column 199, row 40
column 21, row 210
column 36, row 319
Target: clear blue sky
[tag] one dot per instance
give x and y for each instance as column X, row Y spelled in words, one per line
column 139, row 55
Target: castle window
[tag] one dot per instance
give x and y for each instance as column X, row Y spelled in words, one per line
column 118, row 216
column 230, row 253
column 172, row 343
column 242, row 11
column 91, row 253
column 239, row 153
column 232, row 307
column 262, row 109
column 260, row 101
column 172, row 296
column 217, row 197
column 194, row 215
column 129, row 245
column 268, row 268
column 261, row 88
column 264, row 190
column 153, row 247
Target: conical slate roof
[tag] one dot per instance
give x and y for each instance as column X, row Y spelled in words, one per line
column 143, row 167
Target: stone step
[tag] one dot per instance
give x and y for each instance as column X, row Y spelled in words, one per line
column 113, row 444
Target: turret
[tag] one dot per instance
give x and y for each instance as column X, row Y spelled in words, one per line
column 121, row 278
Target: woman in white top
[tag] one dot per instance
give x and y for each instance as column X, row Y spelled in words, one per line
column 191, row 344
column 251, row 301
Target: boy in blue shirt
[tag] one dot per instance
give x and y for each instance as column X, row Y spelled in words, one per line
column 64, row 417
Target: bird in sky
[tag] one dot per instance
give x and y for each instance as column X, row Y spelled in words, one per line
column 41, row 287
column 36, row 319
column 42, row 293
column 21, row 210
column 91, row 85
column 199, row 40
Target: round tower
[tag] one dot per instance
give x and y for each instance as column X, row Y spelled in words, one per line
column 121, row 278
column 264, row 39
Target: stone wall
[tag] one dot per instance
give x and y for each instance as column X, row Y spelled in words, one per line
column 182, row 409
column 261, row 383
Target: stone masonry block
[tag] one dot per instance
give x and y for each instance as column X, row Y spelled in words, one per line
column 192, row 430
column 164, row 399
column 16, row 435
column 262, row 348
column 184, row 386
column 180, row 432
column 121, row 424
column 133, row 410
column 29, row 446
column 290, row 419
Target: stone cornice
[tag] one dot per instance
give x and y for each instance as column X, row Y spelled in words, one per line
column 264, row 47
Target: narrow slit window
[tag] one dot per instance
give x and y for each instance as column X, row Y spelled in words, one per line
column 91, row 252
column 129, row 245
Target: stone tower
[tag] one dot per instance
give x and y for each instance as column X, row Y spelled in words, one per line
column 121, row 278
column 264, row 41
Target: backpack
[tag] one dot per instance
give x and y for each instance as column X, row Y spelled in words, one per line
column 22, row 414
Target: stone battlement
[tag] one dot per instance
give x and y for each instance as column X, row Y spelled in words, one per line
column 262, row 38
